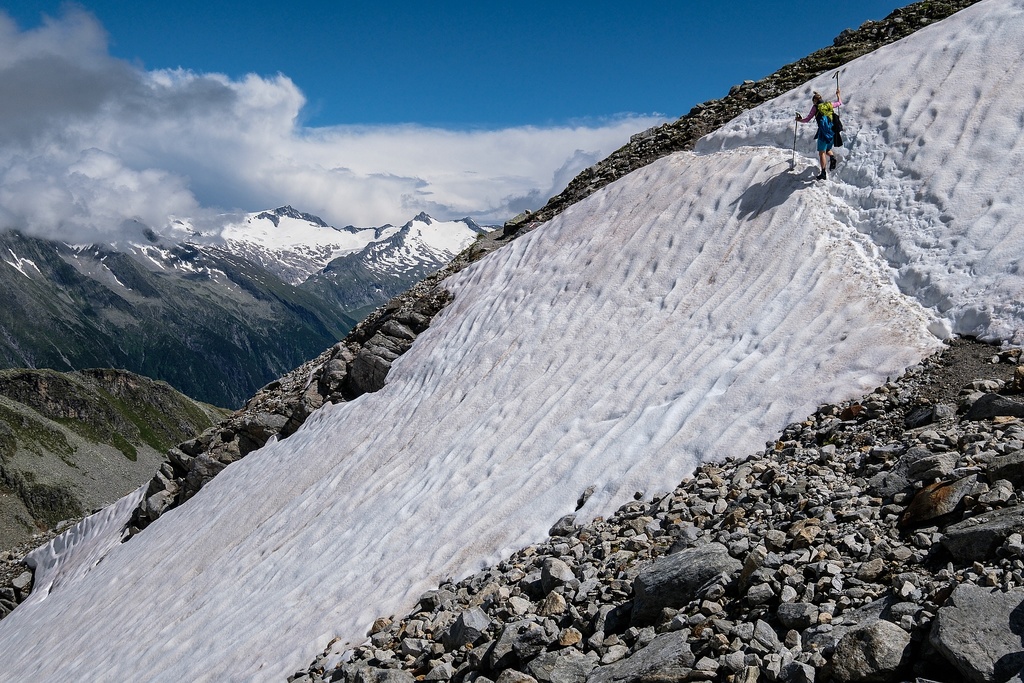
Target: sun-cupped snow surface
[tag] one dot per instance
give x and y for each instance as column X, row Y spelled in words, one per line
column 931, row 164
column 683, row 313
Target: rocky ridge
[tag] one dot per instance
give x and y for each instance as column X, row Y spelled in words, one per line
column 877, row 540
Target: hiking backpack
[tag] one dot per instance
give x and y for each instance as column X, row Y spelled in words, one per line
column 824, row 118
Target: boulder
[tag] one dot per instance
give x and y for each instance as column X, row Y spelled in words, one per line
column 889, row 483
column 513, row 676
column 554, row 573
column 562, row 666
column 936, row 500
column 980, row 535
column 994, row 405
column 666, row 658
column 871, row 653
column 1009, row 467
column 467, row 629
column 980, row 631
column 797, row 615
column 673, row 580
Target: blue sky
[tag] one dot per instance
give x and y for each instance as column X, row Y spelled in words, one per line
column 461, row 63
column 361, row 111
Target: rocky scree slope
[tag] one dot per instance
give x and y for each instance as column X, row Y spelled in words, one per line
column 877, row 540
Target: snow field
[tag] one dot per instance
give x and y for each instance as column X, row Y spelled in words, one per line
column 686, row 312
column 933, row 147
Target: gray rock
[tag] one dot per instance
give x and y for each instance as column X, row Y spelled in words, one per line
column 765, row 639
column 435, row 599
column 888, row 483
column 518, row 642
column 564, row 526
column 933, row 465
column 1009, row 467
column 994, row 405
column 980, row 631
column 513, row 676
column 668, row 657
column 562, row 666
column 22, row 585
column 414, row 647
column 798, row 615
column 467, row 629
column 554, row 573
column 980, row 535
column 673, row 580
column 157, row 503
column 531, row 641
column 442, row 672
column 871, row 653
column 360, row 673
column 397, row 330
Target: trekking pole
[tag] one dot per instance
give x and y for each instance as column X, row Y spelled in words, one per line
column 792, row 161
column 836, row 76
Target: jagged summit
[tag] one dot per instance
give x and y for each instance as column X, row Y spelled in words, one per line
column 277, row 214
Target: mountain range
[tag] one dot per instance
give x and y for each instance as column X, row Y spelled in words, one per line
column 215, row 315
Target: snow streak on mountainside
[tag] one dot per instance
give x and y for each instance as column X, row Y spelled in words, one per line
column 685, row 312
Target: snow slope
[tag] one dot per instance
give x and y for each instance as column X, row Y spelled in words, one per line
column 685, row 312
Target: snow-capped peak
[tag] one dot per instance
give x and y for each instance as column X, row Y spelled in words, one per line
column 296, row 245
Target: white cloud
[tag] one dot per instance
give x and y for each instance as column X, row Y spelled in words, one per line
column 91, row 142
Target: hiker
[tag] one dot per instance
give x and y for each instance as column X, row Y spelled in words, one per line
column 822, row 112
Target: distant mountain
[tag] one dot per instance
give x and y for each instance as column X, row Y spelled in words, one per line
column 216, row 316
column 295, row 245
column 70, row 442
column 384, row 268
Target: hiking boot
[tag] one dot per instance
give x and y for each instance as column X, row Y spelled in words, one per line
column 821, row 176
column 832, row 163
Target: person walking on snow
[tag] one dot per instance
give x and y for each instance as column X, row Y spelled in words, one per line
column 821, row 111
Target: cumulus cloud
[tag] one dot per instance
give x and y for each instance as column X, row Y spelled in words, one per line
column 91, row 143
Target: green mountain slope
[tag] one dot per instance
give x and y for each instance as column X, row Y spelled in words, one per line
column 70, row 442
